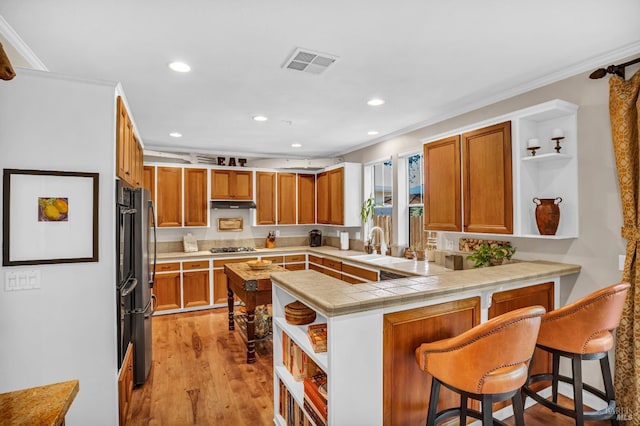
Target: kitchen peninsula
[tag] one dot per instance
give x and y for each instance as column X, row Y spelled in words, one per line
column 374, row 328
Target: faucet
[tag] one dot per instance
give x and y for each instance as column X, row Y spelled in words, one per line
column 383, row 245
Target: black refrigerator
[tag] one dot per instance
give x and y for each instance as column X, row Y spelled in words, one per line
column 144, row 268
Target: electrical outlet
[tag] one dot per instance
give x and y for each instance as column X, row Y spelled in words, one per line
column 277, row 233
column 449, row 244
column 621, row 260
column 358, row 236
column 338, row 233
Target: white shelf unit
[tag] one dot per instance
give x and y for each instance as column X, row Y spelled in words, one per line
column 548, row 174
column 350, row 370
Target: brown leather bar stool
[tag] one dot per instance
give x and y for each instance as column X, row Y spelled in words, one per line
column 582, row 330
column 488, row 363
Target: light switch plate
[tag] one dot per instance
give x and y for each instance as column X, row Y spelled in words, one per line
column 22, row 280
column 621, row 260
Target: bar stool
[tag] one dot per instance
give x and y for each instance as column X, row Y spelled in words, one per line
column 582, row 330
column 488, row 363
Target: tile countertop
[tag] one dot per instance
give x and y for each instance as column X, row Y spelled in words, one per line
column 42, row 405
column 333, row 297
column 400, row 265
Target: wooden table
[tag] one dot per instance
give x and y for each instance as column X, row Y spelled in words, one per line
column 253, row 287
column 43, row 405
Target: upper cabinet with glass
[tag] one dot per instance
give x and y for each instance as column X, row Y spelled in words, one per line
column 532, row 163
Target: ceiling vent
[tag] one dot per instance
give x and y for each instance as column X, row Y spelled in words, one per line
column 306, row 60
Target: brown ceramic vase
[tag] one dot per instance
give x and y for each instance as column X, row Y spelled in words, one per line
column 547, row 214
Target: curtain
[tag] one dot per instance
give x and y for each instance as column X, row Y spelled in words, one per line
column 623, row 109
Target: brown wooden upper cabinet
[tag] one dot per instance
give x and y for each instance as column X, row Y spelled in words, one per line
column 442, row 199
column 287, row 199
column 232, row 184
column 306, row 198
column 129, row 154
column 331, row 197
column 169, row 196
column 488, row 189
column 482, row 159
column 266, row 198
column 149, row 180
column 196, row 202
column 322, row 183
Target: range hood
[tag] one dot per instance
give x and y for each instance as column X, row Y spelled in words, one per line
column 229, row 204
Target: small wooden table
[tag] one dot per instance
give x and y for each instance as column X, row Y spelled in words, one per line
column 253, row 287
column 42, row 405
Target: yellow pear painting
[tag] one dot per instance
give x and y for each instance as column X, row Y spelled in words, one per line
column 53, row 209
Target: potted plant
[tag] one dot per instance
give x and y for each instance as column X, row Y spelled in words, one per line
column 491, row 254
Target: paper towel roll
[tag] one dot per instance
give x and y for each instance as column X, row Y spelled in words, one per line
column 344, row 241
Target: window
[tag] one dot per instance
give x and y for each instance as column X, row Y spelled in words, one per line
column 381, row 183
column 415, row 197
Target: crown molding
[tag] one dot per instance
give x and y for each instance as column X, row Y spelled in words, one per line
column 20, row 46
column 465, row 106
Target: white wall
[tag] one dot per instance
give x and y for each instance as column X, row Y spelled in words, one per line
column 599, row 243
column 65, row 330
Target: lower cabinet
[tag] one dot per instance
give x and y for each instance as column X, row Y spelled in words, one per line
column 343, row 271
column 196, row 289
column 167, row 291
column 403, row 332
column 125, row 385
column 182, row 285
column 540, row 294
column 220, row 278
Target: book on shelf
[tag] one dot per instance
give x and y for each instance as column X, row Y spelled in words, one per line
column 316, row 387
column 318, row 337
column 292, row 413
column 294, row 358
column 314, row 414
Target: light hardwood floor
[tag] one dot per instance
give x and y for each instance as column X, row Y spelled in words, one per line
column 199, row 377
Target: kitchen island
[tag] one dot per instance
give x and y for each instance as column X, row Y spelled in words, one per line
column 374, row 328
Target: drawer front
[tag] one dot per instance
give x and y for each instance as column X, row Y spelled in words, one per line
column 360, row 272
column 221, row 262
column 316, row 267
column 293, row 258
column 334, row 274
column 195, row 264
column 273, row 259
column 315, row 259
column 352, row 280
column 168, row 267
column 333, row 264
column 295, row 267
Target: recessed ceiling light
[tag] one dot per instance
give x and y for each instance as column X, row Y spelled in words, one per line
column 296, row 145
column 260, row 118
column 175, row 135
column 372, row 132
column 179, row 67
column 375, row 102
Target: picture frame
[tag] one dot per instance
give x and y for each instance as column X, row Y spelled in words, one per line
column 49, row 217
column 230, row 224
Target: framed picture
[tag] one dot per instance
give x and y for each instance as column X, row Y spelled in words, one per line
column 49, row 217
column 230, row 224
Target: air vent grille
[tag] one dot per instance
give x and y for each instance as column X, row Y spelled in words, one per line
column 306, row 60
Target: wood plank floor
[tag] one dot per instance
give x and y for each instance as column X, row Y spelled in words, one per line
column 199, row 377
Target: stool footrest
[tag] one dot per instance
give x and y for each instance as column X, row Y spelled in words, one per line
column 455, row 412
column 606, row 413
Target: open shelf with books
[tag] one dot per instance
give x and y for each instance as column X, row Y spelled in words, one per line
column 323, row 383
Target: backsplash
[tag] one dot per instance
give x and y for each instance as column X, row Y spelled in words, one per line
column 205, row 245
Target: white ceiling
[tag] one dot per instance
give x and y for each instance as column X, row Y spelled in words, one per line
column 428, row 59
